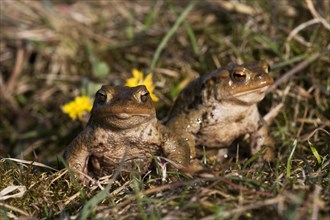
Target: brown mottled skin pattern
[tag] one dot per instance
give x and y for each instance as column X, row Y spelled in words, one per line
column 219, row 108
column 123, row 131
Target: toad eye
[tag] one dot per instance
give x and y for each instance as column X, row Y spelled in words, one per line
column 267, row 69
column 238, row 76
column 264, row 66
column 101, row 96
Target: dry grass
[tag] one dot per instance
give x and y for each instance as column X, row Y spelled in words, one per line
column 51, row 52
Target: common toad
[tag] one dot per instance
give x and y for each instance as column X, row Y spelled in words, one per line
column 219, row 108
column 123, row 132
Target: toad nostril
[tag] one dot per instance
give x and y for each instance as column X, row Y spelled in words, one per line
column 144, row 97
column 258, row 76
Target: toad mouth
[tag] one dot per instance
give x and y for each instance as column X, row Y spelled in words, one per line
column 124, row 116
column 257, row 90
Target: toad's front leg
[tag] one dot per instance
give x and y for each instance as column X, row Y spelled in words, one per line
column 176, row 149
column 261, row 139
column 76, row 156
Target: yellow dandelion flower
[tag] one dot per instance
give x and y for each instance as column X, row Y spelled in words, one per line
column 138, row 79
column 77, row 107
column 150, row 86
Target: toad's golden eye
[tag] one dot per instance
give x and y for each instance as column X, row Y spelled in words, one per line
column 267, row 68
column 238, row 76
column 101, row 96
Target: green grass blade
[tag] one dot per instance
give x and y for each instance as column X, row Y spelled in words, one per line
column 289, row 62
column 150, row 18
column 254, row 157
column 316, row 154
column 277, row 174
column 192, row 37
column 170, row 34
column 266, row 41
column 289, row 162
column 204, row 156
column 139, row 199
column 92, row 203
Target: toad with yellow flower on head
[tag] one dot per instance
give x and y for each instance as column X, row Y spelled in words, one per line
column 82, row 104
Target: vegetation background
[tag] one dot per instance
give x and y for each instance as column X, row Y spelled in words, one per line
column 54, row 51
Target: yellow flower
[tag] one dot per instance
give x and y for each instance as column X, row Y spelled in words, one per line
column 138, row 79
column 77, row 107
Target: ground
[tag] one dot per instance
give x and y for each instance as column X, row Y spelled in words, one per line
column 54, row 51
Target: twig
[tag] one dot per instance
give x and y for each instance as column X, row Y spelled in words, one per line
column 312, row 134
column 315, row 14
column 178, row 184
column 8, row 192
column 34, row 163
column 238, row 7
column 294, row 70
column 14, row 209
column 243, row 188
column 297, row 29
column 226, row 214
column 216, row 183
column 316, row 202
column 17, row 70
column 156, row 189
column 61, row 173
column 302, row 26
column 273, row 113
column 71, row 198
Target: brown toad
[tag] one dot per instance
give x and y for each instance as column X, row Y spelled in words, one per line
column 219, row 108
column 123, row 131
